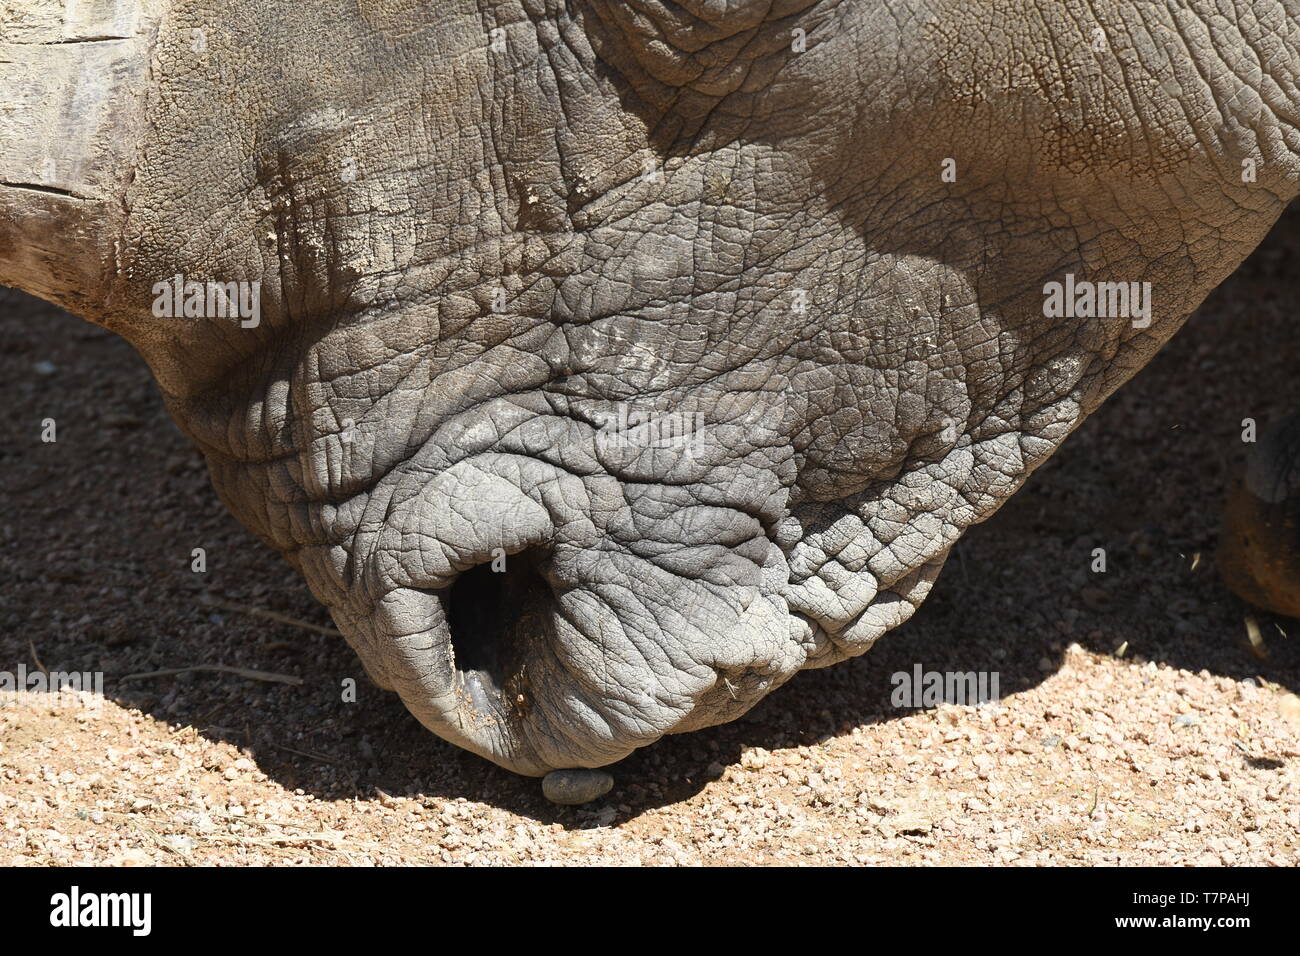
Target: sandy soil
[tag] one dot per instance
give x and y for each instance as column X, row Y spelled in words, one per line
column 1136, row 726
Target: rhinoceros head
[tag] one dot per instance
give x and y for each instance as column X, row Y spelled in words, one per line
column 602, row 365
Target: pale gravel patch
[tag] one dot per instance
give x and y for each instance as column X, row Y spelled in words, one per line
column 1127, row 784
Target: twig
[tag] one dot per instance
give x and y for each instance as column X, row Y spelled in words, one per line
column 194, row 726
column 307, row 754
column 220, row 669
column 166, row 845
column 267, row 615
column 288, row 839
column 36, row 658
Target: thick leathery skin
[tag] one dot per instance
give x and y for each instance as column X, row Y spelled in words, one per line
column 487, row 240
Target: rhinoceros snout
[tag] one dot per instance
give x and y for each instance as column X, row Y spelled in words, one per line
column 547, row 618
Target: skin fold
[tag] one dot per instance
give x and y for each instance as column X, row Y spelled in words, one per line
column 492, row 237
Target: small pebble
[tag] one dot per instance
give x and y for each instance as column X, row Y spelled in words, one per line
column 573, row 787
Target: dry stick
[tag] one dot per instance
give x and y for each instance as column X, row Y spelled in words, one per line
column 194, row 725
column 303, row 753
column 35, row 658
column 267, row 615
column 151, row 834
column 220, row 669
column 290, row 839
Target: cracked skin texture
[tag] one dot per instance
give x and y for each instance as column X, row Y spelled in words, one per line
column 662, row 206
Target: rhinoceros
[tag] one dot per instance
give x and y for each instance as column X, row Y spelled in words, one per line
column 600, row 365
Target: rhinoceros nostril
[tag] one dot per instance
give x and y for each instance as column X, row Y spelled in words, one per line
column 494, row 617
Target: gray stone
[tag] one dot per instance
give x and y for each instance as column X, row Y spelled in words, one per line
column 574, row 787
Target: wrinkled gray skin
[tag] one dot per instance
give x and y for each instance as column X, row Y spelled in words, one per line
column 845, row 446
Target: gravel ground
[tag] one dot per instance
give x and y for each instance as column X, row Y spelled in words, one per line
column 1137, row 725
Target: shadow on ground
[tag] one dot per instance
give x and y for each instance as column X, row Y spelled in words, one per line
column 97, row 532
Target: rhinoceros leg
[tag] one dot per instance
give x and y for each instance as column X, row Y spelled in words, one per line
column 1259, row 543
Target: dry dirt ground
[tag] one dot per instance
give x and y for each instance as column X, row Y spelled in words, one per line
column 1182, row 748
